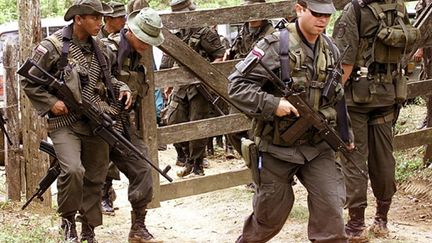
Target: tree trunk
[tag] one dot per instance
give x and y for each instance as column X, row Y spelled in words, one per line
column 34, row 128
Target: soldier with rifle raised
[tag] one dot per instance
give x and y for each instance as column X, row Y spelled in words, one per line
column 293, row 125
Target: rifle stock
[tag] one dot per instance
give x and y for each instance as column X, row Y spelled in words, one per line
column 49, row 178
column 104, row 122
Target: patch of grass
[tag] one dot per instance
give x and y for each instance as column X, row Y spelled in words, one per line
column 408, row 162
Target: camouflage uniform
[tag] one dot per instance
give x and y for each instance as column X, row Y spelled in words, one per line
column 371, row 103
column 187, row 104
column 311, row 160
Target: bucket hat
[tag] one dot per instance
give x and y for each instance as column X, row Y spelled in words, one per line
column 82, row 7
column 146, row 25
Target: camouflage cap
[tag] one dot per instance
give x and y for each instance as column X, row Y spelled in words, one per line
column 82, row 7
column 146, row 25
column 182, row 5
column 119, row 10
column 321, row 6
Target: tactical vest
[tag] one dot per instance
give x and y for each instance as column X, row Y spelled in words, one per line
column 244, row 43
column 193, row 39
column 84, row 80
column 302, row 82
column 394, row 35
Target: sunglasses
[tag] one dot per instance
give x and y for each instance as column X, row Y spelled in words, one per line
column 319, row 15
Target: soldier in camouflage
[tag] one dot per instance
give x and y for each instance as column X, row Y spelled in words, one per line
column 114, row 21
column 187, row 104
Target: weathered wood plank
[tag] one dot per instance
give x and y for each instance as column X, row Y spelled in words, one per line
column 413, row 139
column 198, row 185
column 421, row 87
column 181, row 75
column 237, row 14
column 209, row 75
column 203, row 128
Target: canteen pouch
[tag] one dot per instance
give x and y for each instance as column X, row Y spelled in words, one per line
column 250, row 155
column 401, row 88
column 362, row 90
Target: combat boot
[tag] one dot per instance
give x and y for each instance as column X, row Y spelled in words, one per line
column 138, row 232
column 87, row 233
column 181, row 155
column 69, row 228
column 186, row 170
column 107, row 203
column 210, row 148
column 198, row 168
column 229, row 152
column 355, row 227
column 379, row 227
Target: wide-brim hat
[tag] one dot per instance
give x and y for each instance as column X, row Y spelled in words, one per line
column 82, row 7
column 185, row 5
column 146, row 25
column 119, row 10
column 321, row 6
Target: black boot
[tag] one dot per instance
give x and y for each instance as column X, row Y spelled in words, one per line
column 186, row 170
column 69, row 228
column 138, row 231
column 210, row 147
column 181, row 155
column 198, row 168
column 107, row 203
column 355, row 227
column 379, row 227
column 87, row 233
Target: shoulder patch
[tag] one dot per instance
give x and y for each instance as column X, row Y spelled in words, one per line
column 39, row 52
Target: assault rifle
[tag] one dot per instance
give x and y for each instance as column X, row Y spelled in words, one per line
column 308, row 119
column 104, row 122
column 50, row 177
column 212, row 99
column 3, row 127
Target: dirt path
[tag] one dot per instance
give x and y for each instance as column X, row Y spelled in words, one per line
column 218, row 216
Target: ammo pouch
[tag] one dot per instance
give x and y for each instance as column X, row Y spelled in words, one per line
column 395, row 36
column 362, row 89
column 73, row 76
column 250, row 155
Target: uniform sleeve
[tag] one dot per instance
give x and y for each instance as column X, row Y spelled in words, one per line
column 46, row 56
column 211, row 44
column 246, row 89
column 346, row 33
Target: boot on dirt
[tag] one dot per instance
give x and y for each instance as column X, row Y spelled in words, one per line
column 186, row 170
column 181, row 155
column 210, row 148
column 138, row 232
column 87, row 233
column 107, row 202
column 229, row 152
column 69, row 228
column 355, row 227
column 198, row 168
column 379, row 227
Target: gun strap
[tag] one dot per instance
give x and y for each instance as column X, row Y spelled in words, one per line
column 106, row 76
column 66, row 38
column 284, row 56
column 357, row 7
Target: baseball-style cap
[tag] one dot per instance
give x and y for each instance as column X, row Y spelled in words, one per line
column 321, row 6
column 119, row 10
column 82, row 7
column 182, row 5
column 146, row 25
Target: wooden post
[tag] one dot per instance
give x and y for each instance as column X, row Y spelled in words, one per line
column 12, row 153
column 34, row 128
column 148, row 111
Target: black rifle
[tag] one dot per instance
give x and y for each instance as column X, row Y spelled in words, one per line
column 212, row 99
column 3, row 127
column 333, row 78
column 104, row 122
column 50, row 177
column 308, row 118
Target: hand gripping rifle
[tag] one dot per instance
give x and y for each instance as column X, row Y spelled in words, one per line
column 308, row 116
column 51, row 175
column 104, row 122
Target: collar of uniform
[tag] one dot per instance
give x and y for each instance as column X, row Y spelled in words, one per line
column 124, row 49
column 85, row 45
column 307, row 43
